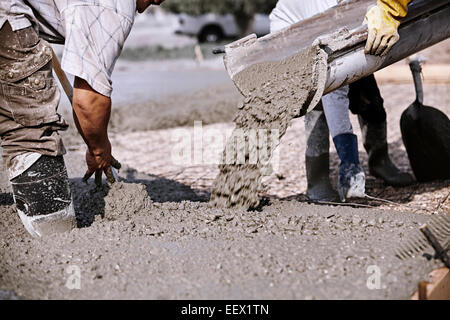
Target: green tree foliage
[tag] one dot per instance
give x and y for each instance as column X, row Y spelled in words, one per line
column 243, row 10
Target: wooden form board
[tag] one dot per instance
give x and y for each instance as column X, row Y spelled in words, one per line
column 437, row 289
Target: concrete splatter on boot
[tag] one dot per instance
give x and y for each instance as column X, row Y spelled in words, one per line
column 42, row 196
column 319, row 185
column 351, row 181
column 317, row 158
column 380, row 164
column 351, row 178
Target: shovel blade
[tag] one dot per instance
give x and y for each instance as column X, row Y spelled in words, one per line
column 426, row 136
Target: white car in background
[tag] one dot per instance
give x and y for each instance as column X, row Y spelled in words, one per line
column 212, row 27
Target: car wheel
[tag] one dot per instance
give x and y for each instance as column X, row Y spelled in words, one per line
column 211, row 34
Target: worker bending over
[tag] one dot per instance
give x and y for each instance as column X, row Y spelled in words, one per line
column 93, row 33
column 332, row 116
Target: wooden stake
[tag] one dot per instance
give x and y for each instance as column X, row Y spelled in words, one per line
column 437, row 289
column 62, row 77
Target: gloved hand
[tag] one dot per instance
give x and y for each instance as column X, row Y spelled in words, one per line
column 383, row 21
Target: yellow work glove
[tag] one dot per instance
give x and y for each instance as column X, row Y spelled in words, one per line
column 383, row 21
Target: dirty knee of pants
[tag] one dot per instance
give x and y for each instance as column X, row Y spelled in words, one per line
column 29, row 96
column 317, row 133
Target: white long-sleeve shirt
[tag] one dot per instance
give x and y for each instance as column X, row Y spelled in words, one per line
column 288, row 12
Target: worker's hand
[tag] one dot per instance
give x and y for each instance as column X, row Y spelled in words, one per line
column 100, row 162
column 91, row 112
column 383, row 32
column 383, row 21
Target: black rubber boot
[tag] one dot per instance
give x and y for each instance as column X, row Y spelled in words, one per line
column 366, row 101
column 43, row 198
column 380, row 164
column 317, row 160
column 319, row 185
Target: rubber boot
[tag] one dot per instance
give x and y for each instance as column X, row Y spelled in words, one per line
column 380, row 164
column 317, row 159
column 351, row 177
column 43, row 198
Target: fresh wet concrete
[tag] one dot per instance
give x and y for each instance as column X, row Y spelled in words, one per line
column 132, row 246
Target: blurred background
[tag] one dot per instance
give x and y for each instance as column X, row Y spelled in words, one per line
column 179, row 25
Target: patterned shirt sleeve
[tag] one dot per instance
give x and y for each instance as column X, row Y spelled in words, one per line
column 95, row 36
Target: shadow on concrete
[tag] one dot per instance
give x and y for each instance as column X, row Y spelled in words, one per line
column 6, row 199
column 89, row 200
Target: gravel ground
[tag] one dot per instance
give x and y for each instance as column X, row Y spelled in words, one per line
column 151, row 238
column 148, row 151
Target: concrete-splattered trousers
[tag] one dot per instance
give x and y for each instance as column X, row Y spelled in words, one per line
column 29, row 97
column 29, row 123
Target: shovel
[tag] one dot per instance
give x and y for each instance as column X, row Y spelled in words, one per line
column 426, row 135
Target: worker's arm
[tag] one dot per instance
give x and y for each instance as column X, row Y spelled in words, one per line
column 383, row 21
column 91, row 112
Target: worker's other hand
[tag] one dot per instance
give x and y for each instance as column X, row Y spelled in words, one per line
column 100, row 162
column 383, row 21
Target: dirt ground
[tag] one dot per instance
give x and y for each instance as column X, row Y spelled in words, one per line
column 154, row 236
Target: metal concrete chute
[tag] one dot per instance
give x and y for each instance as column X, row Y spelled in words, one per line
column 341, row 34
column 280, row 45
column 427, row 23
